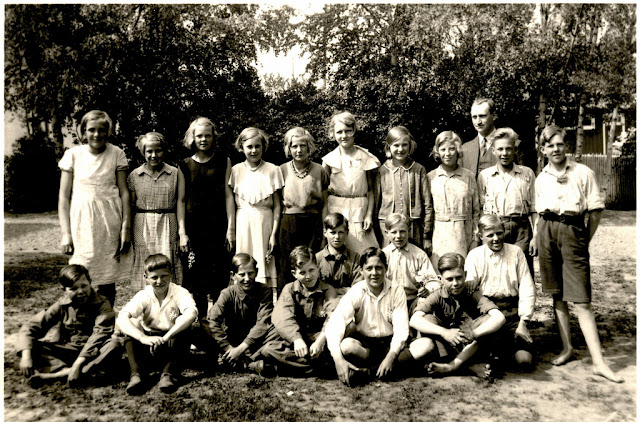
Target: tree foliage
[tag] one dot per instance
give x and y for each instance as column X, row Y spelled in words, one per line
column 155, row 67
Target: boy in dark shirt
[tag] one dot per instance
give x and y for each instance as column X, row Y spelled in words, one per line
column 453, row 320
column 86, row 323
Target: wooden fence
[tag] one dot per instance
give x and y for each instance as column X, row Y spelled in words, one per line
column 621, row 189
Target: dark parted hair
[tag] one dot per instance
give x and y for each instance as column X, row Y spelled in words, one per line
column 334, row 220
column 450, row 261
column 156, row 262
column 72, row 273
column 241, row 259
column 371, row 253
column 300, row 255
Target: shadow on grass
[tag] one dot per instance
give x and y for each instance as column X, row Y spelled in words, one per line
column 618, row 218
column 14, row 230
column 27, row 273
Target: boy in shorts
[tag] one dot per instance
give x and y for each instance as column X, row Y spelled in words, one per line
column 339, row 266
column 500, row 271
column 567, row 195
column 453, row 321
column 86, row 323
column 155, row 323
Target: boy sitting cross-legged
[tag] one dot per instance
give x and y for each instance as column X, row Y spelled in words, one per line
column 453, row 320
column 86, row 323
column 370, row 324
column 339, row 266
column 501, row 273
column 155, row 323
column 241, row 317
column 299, row 318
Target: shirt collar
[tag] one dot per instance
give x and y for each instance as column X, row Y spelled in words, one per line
column 320, row 288
column 493, row 170
column 143, row 170
column 491, row 253
column 242, row 294
column 549, row 168
column 441, row 172
column 395, row 248
column 407, row 165
column 385, row 287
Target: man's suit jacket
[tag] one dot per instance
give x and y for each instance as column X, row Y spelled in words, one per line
column 470, row 154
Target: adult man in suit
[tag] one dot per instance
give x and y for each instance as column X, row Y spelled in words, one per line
column 477, row 154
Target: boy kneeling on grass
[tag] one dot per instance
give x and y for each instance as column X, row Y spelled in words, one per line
column 241, row 317
column 453, row 320
column 370, row 326
column 86, row 323
column 156, row 322
column 296, row 344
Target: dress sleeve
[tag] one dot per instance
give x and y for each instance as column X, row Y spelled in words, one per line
column 122, row 164
column 427, row 201
column 324, row 179
column 68, row 161
column 369, row 161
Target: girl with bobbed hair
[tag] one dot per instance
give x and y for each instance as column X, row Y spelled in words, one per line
column 93, row 204
column 351, row 172
column 455, row 197
column 209, row 213
column 158, row 205
column 304, row 199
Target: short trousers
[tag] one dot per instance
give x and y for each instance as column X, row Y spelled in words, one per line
column 445, row 348
column 378, row 346
column 563, row 252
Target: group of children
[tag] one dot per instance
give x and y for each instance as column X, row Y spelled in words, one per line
column 364, row 310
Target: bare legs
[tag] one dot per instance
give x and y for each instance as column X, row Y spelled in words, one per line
column 590, row 332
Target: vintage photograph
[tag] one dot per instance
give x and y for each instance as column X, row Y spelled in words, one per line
column 320, row 211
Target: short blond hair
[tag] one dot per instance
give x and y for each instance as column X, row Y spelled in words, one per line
column 148, row 138
column 344, row 117
column 398, row 133
column 298, row 133
column 91, row 116
column 447, row 136
column 189, row 135
column 250, row 133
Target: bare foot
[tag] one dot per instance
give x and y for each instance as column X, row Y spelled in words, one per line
column 439, row 368
column 606, row 372
column 564, row 357
column 482, row 370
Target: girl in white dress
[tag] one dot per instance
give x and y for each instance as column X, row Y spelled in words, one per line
column 96, row 220
column 351, row 172
column 256, row 184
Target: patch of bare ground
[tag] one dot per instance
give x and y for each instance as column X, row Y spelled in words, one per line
column 569, row 392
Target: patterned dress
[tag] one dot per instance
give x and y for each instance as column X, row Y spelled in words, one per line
column 96, row 211
column 155, row 224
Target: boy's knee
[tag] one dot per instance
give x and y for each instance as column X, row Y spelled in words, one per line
column 421, row 347
column 350, row 346
column 524, row 360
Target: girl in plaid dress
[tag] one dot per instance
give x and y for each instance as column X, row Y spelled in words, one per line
column 157, row 197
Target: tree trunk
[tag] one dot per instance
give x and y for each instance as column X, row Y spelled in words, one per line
column 56, row 135
column 580, row 130
column 608, row 166
column 542, row 123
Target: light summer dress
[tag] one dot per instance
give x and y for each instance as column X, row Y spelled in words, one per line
column 253, row 189
column 96, row 211
column 348, row 193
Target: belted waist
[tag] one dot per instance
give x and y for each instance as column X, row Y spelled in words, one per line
column 347, row 196
column 518, row 218
column 157, row 211
column 570, row 220
column 447, row 217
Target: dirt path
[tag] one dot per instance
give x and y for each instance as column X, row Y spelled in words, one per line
column 550, row 393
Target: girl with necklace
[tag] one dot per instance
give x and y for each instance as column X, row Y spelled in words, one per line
column 304, row 199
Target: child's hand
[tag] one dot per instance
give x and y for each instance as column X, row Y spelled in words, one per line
column 272, row 245
column 300, row 348
column 454, row 336
column 152, row 341
column 316, row 348
column 366, row 223
column 74, row 374
column 125, row 241
column 427, row 246
column 184, row 243
column 26, row 363
column 344, row 369
column 523, row 332
column 67, row 245
column 230, row 241
column 533, row 247
column 234, row 353
column 385, row 367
